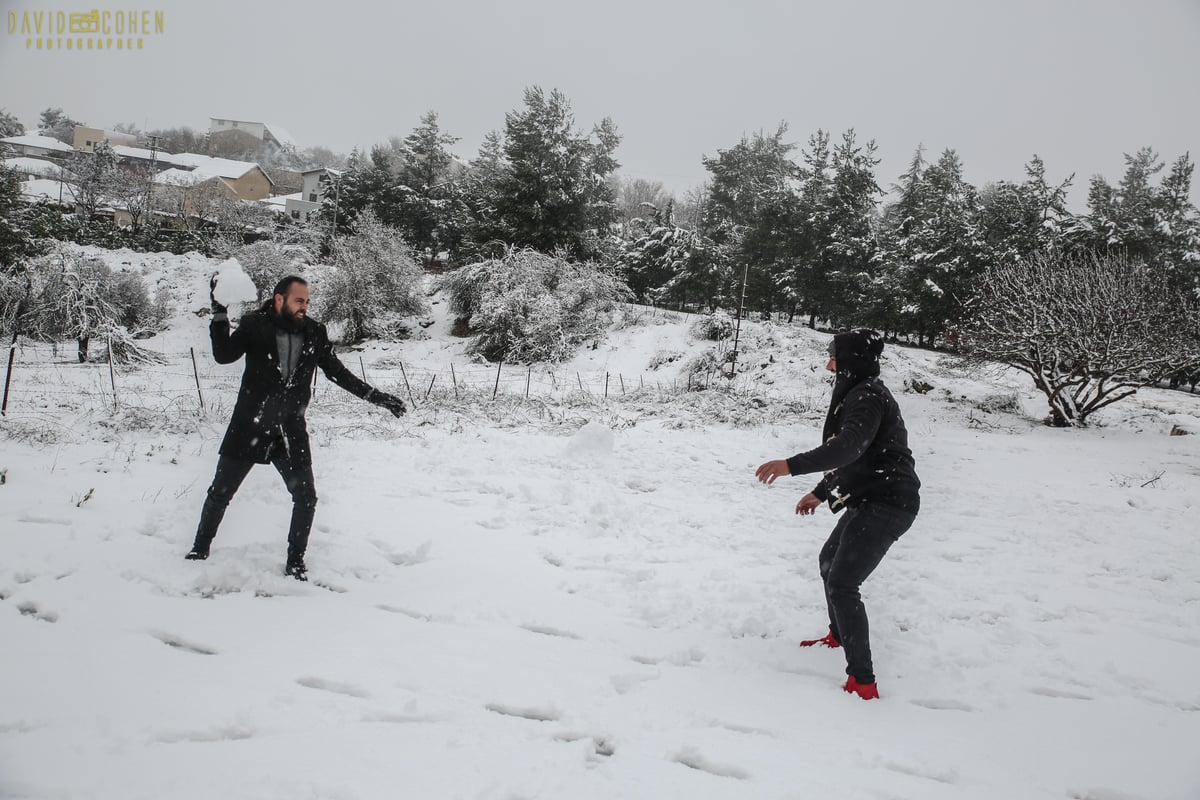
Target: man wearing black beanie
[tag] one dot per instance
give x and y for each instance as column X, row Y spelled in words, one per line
column 869, row 472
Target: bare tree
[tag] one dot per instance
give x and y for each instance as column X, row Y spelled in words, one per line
column 1090, row 330
column 129, row 188
column 91, row 176
column 638, row 198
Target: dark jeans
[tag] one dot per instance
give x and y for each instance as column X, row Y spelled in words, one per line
column 856, row 546
column 230, row 474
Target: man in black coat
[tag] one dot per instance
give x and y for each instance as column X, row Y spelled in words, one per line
column 283, row 347
column 868, row 471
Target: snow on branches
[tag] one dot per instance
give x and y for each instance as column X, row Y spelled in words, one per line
column 1089, row 329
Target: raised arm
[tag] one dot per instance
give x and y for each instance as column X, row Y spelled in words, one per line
column 860, row 422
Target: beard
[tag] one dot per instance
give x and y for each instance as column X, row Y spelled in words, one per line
column 291, row 320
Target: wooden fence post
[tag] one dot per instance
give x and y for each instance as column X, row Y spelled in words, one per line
column 406, row 386
column 112, row 375
column 196, row 372
column 496, row 388
column 12, row 353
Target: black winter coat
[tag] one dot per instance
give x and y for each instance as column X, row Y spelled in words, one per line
column 269, row 413
column 865, row 456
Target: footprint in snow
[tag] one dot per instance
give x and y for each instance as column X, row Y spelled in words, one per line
column 31, row 610
column 624, row 684
column 546, row 630
column 943, row 704
column 535, row 713
column 228, row 733
column 690, row 757
column 179, row 643
column 417, row 615
column 1046, row 691
column 348, row 689
column 600, row 745
column 948, row 776
column 408, row 559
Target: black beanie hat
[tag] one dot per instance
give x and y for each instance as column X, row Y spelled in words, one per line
column 857, row 352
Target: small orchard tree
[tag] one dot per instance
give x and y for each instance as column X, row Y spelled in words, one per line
column 527, row 307
column 375, row 282
column 1090, row 330
column 75, row 297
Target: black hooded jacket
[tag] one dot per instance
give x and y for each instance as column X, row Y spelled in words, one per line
column 269, row 413
column 865, row 456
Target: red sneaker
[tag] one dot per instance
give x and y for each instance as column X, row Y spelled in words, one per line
column 867, row 691
column 828, row 640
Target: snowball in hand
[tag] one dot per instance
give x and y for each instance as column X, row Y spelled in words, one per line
column 233, row 285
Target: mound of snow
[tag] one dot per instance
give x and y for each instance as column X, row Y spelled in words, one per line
column 593, row 439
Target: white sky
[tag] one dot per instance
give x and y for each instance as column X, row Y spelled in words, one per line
column 1079, row 82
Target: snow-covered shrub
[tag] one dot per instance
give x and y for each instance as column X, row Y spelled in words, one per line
column 374, row 283
column 15, row 291
column 664, row 357
column 529, row 307
column 702, row 368
column 267, row 262
column 77, row 297
column 714, row 327
column 129, row 298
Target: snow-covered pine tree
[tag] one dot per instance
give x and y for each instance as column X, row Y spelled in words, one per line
column 933, row 246
column 10, row 125
column 751, row 212
column 847, row 244
column 553, row 193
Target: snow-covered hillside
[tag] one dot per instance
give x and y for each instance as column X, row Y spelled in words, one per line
column 564, row 595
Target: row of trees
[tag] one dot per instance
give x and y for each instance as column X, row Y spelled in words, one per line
column 782, row 231
column 815, row 238
column 541, row 184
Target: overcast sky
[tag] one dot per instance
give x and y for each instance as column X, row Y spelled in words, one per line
column 1078, row 82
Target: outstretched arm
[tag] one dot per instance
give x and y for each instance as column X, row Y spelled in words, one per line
column 860, row 422
column 337, row 372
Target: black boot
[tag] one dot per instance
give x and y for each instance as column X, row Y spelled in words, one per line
column 295, row 568
column 197, row 553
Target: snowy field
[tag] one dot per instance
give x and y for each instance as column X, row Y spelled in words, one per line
column 569, row 596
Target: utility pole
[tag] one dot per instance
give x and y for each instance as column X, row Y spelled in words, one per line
column 153, row 145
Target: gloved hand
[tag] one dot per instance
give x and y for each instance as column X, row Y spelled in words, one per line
column 388, row 401
column 217, row 308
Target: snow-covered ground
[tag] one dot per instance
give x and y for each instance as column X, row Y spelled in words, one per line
column 573, row 597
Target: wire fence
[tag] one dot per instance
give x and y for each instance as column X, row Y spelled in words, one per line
column 189, row 391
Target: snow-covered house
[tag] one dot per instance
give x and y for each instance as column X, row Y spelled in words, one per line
column 38, row 146
column 42, row 190
column 316, row 184
column 87, row 138
column 141, row 157
column 33, row 167
column 245, row 134
column 246, row 179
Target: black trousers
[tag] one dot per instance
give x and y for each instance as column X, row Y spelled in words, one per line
column 854, row 549
column 230, row 474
